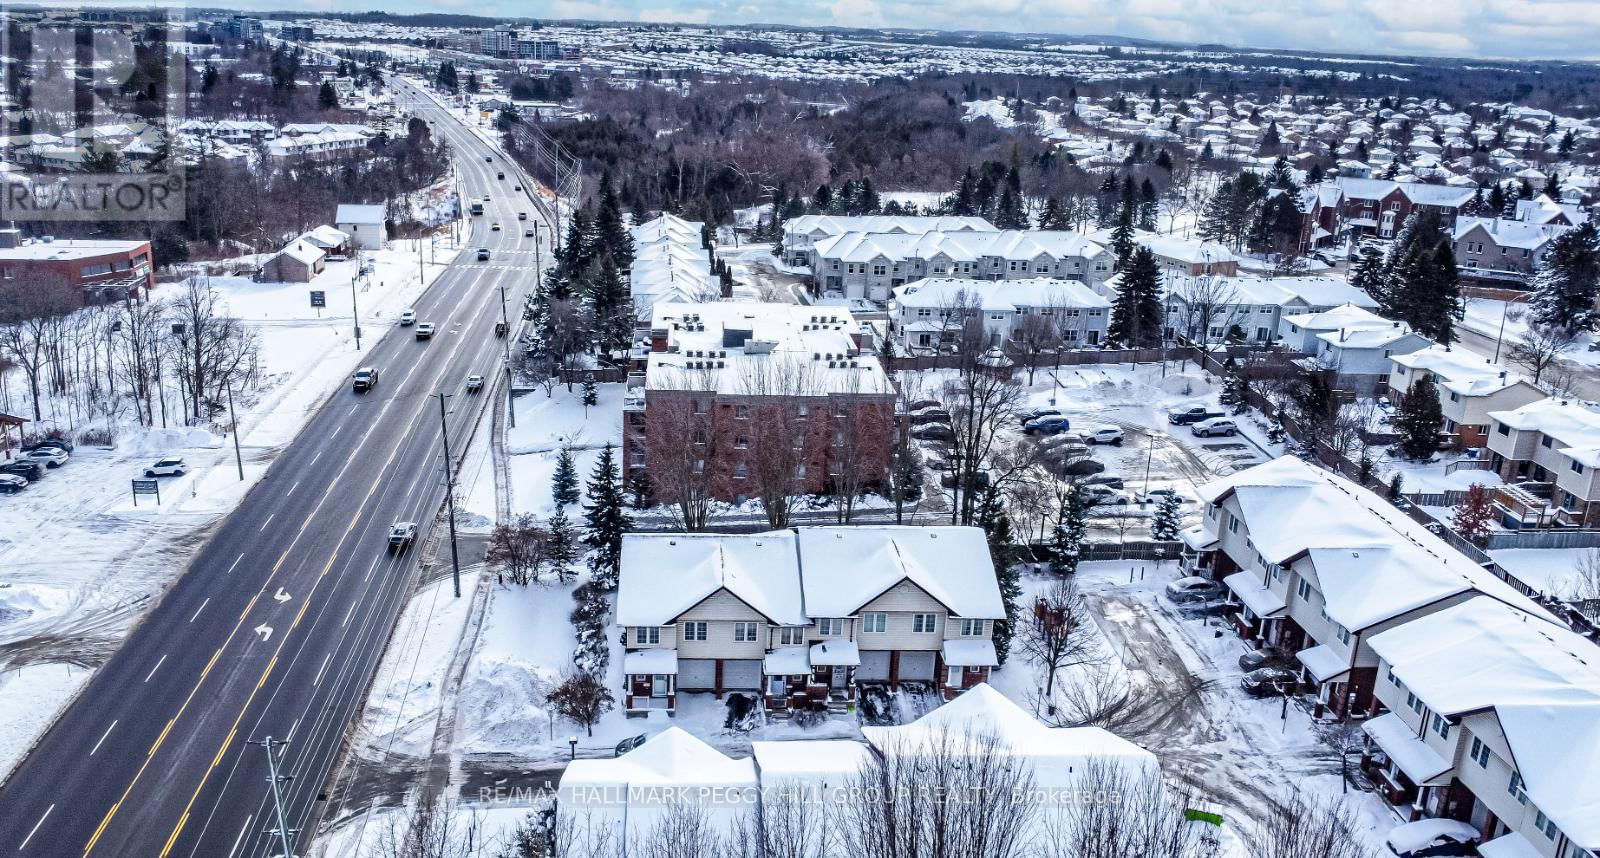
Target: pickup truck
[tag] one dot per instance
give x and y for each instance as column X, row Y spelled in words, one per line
column 1191, row 414
column 400, row 535
column 364, row 379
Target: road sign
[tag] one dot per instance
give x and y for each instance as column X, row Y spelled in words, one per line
column 146, row 487
column 319, row 298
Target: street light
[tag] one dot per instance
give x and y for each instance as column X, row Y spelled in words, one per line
column 506, row 337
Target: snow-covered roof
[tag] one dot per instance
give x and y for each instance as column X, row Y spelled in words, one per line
column 1542, row 209
column 1256, row 596
column 1575, row 427
column 1512, row 845
column 325, row 237
column 668, row 226
column 1347, row 316
column 303, row 252
column 970, row 653
column 1190, row 250
column 958, row 246
column 662, row 660
column 1460, row 371
column 847, row 567
column 999, row 295
column 1366, row 338
column 666, row 574
column 627, row 796
column 1422, row 764
column 1311, row 291
column 831, row 653
column 1509, row 233
column 786, row 661
column 810, row 763
column 884, row 224
column 350, row 213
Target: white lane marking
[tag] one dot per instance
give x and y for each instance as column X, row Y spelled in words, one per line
column 102, row 739
column 199, row 609
column 348, row 613
column 336, row 431
column 325, row 660
column 156, row 668
column 315, row 458
column 265, row 523
column 352, row 410
column 35, row 829
column 292, row 727
column 240, row 838
column 235, row 563
column 292, row 488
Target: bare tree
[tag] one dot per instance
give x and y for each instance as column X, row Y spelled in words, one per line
column 772, row 421
column 1564, row 379
column 1307, row 826
column 1582, row 587
column 860, row 424
column 1540, row 347
column 1204, row 304
column 216, row 349
column 29, row 312
column 1100, row 696
column 430, row 829
column 683, row 445
column 581, row 698
column 1035, row 336
column 1117, row 811
column 982, row 402
column 1061, row 634
column 683, row 831
column 517, row 549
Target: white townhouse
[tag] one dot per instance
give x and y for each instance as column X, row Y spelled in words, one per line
column 871, row 266
column 1493, row 719
column 1251, row 308
column 1300, row 331
column 1360, row 358
column 1548, row 452
column 669, row 265
column 1318, row 565
column 928, row 314
column 801, row 234
column 802, row 616
column 1469, row 387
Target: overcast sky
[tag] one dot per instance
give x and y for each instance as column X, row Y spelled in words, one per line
column 1524, row 29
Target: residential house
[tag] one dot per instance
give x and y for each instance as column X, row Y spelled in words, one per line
column 669, row 265
column 1469, row 388
column 872, row 265
column 803, row 616
column 299, row 262
column 1321, row 207
column 1378, row 207
column 1250, row 309
column 364, row 224
column 1359, row 358
column 1547, row 212
column 1491, row 248
column 928, row 314
column 1300, row 331
column 801, row 234
column 1186, row 257
column 1493, row 719
column 1548, row 452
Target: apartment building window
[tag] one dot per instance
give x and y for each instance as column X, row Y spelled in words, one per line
column 1414, row 702
column 699, row 406
column 700, row 437
column 1515, row 788
column 874, row 622
column 1577, row 467
column 1502, row 428
column 741, row 470
column 802, row 410
column 699, row 466
column 1441, row 726
column 830, row 626
column 971, row 628
column 741, row 442
column 741, row 412
column 1545, row 824
column 924, row 622
column 744, row 632
column 1480, row 753
column 792, row 635
column 694, row 631
column 647, row 634
column 1303, row 590
column 1233, row 523
column 800, row 472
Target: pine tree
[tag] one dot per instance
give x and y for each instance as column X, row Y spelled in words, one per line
column 591, row 394
column 1054, row 216
column 1315, row 175
column 1281, row 176
column 1136, row 313
column 561, row 547
column 1066, row 544
column 1164, row 524
column 327, row 98
column 964, row 204
column 1497, row 200
column 605, row 521
column 1122, row 238
column 610, row 233
column 1568, row 281
column 1149, row 206
column 564, row 485
column 1419, row 419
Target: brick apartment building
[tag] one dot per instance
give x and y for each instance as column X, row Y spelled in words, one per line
column 729, row 391
column 102, row 270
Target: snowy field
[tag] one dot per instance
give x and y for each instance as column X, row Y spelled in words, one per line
column 82, row 562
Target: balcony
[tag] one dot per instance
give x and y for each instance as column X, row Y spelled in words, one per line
column 1527, row 505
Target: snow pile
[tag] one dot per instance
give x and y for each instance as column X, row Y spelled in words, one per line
column 18, row 602
column 1185, row 384
column 158, row 442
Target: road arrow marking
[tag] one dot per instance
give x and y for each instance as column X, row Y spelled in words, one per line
column 281, row 595
column 264, row 630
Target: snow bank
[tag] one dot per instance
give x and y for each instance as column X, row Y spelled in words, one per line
column 1185, row 384
column 157, row 442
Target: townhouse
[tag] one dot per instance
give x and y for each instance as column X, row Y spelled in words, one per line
column 670, row 264
column 1359, row 358
column 1317, row 565
column 1301, row 331
column 801, row 234
column 1491, row 248
column 801, row 617
column 726, row 384
column 1545, row 211
column 1494, row 720
column 871, row 266
column 1378, row 207
column 1548, row 452
column 1250, row 309
column 1469, row 387
column 928, row 315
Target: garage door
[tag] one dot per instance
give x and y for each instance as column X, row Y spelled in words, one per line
column 741, row 674
column 874, row 666
column 916, row 666
column 697, row 674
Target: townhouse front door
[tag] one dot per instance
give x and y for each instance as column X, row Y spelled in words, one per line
column 841, row 675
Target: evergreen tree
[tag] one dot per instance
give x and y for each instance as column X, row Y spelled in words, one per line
column 1010, row 214
column 610, row 233
column 1422, row 286
column 1315, row 175
column 1497, row 200
column 1136, row 313
column 1419, row 420
column 1164, row 159
column 1281, row 176
column 1149, row 206
column 1071, row 531
column 591, row 394
column 1054, row 216
column 823, row 198
column 1164, row 524
column 1367, row 273
column 610, row 307
column 561, row 546
column 564, row 485
column 605, row 521
column 1277, row 230
column 1568, row 281
column 964, row 203
column 208, row 79
column 327, row 98
column 1396, row 486
column 1122, row 243
column 1567, row 144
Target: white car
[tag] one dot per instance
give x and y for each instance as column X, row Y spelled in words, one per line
column 50, row 457
column 167, row 466
column 1109, row 435
column 1099, row 493
column 495, row 227
column 1213, row 426
column 408, row 317
column 474, row 383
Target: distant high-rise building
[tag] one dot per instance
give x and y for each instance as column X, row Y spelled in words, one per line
column 244, row 27
column 499, row 42
column 538, row 49
column 299, row 32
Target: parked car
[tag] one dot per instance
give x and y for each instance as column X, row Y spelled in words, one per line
column 1193, row 589
column 929, row 415
column 10, row 484
column 1082, row 467
column 1214, row 426
column 1269, row 681
column 364, row 378
column 166, row 466
column 1100, row 494
column 63, row 444
column 488, row 159
column 400, row 535
column 425, row 331
column 50, row 457
column 1252, row 659
column 933, row 432
column 1112, row 480
column 1037, row 413
column 1427, row 838
column 408, row 318
column 920, row 404
column 474, row 383
column 1108, row 435
column 31, row 471
column 980, row 480
column 1047, row 425
column 1191, row 414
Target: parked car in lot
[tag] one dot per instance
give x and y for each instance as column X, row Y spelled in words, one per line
column 1102, row 494
column 1112, row 480
column 933, row 432
column 1193, row 589
column 980, row 480
column 929, row 415
column 1269, row 681
column 1046, row 425
column 500, row 175
column 58, row 443
column 1108, row 435
column 50, row 457
column 1082, row 467
column 1428, row 838
column 30, row 471
column 1191, row 414
column 1037, row 413
column 408, row 318
column 166, row 466
column 425, row 331
column 400, row 535
column 10, row 484
column 474, row 383
column 920, row 404
column 1214, row 426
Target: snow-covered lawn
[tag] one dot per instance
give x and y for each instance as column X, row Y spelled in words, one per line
column 1552, row 571
column 545, row 425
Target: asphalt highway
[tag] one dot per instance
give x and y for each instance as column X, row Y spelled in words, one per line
column 277, row 626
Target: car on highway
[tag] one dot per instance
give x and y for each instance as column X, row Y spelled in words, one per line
column 1214, row 426
column 500, row 175
column 522, row 215
column 516, row 187
column 474, row 383
column 1108, row 435
column 166, row 466
column 1046, row 425
column 50, row 457
column 364, row 378
column 488, row 159
column 23, row 468
column 483, row 254
column 408, row 318
column 527, row 233
column 401, row 533
column 1193, row 589
column 494, row 227
column 425, row 331
column 10, row 484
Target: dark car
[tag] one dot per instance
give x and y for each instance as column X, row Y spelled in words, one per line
column 27, row 470
column 10, row 484
column 930, row 415
column 58, row 443
column 933, row 432
column 923, row 403
column 1111, row 480
column 1269, row 682
column 1191, row 414
column 1046, row 425
column 1082, row 467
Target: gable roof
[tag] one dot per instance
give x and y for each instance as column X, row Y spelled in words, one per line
column 349, row 213
column 666, row 574
column 847, row 567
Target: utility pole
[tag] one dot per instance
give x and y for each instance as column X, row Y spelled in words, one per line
column 355, row 315
column 238, row 458
column 511, row 408
column 283, row 831
column 450, row 495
